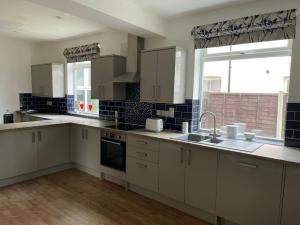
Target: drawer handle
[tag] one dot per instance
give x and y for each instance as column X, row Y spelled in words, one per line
column 142, row 153
column 141, row 165
column 251, row 166
column 143, row 142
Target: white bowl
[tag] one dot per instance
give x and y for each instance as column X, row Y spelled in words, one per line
column 249, row 136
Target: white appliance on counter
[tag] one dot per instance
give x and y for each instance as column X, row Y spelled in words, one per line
column 154, row 124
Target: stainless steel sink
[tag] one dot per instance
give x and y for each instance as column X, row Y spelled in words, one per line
column 192, row 137
column 213, row 141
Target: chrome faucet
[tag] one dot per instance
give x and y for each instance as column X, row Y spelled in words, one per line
column 214, row 117
column 116, row 119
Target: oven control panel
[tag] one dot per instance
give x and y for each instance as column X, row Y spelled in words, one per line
column 113, row 135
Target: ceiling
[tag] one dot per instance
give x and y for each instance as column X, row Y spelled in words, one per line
column 175, row 8
column 27, row 20
column 51, row 20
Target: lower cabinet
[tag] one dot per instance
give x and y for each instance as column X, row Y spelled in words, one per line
column 142, row 162
column 171, row 170
column 291, row 200
column 53, row 146
column 85, row 147
column 188, row 174
column 201, row 178
column 249, row 190
column 18, row 153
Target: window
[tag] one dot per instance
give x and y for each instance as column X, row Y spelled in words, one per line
column 248, row 84
column 81, row 76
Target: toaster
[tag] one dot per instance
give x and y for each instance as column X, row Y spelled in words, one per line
column 154, row 124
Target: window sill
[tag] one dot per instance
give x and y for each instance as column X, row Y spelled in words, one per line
column 85, row 115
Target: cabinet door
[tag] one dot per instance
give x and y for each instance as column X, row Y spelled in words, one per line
column 142, row 173
column 17, row 153
column 291, row 200
column 107, row 91
column 101, row 74
column 41, row 78
column 201, row 179
column 171, row 171
column 148, row 76
column 92, row 148
column 53, row 146
column 165, row 75
column 25, row 152
column 77, row 140
column 249, row 190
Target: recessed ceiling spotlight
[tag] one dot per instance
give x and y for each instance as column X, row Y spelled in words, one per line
column 59, row 17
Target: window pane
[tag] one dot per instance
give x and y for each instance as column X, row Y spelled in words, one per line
column 260, row 45
column 263, row 75
column 217, row 50
column 80, row 101
column 79, row 75
column 92, row 104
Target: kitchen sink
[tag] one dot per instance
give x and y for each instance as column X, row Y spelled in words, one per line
column 213, row 141
column 192, row 137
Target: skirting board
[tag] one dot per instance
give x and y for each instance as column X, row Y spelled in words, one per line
column 30, row 176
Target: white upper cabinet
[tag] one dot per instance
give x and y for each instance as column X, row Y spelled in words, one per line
column 103, row 71
column 163, row 73
column 48, row 80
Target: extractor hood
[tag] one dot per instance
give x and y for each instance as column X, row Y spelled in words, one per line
column 132, row 75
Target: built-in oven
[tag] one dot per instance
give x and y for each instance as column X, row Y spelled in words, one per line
column 113, row 150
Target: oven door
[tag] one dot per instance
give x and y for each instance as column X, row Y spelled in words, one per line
column 113, row 154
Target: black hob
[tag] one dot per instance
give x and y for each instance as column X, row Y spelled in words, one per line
column 124, row 126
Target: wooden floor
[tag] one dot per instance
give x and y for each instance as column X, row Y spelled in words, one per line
column 74, row 198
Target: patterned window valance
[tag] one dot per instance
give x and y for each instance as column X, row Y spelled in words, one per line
column 82, row 53
column 267, row 27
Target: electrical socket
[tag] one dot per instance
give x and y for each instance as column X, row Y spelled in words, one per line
column 171, row 112
column 158, row 112
column 49, row 103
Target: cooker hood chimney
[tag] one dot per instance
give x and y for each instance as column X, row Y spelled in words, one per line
column 132, row 75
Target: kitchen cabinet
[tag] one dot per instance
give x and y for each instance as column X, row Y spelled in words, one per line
column 142, row 162
column 48, row 80
column 171, row 170
column 291, row 200
column 201, row 178
column 249, row 190
column 85, row 147
column 17, row 153
column 163, row 73
column 103, row 71
column 188, row 174
column 53, row 146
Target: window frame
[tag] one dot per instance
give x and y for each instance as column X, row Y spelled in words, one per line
column 83, row 65
column 237, row 55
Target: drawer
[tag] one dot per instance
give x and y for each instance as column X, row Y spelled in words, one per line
column 142, row 154
column 142, row 173
column 144, row 143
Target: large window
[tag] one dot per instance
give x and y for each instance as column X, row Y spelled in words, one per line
column 81, row 74
column 248, row 84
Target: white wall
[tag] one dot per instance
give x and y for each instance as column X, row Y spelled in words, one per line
column 15, row 78
column 111, row 42
column 178, row 33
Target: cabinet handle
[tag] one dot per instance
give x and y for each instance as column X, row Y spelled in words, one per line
column 142, row 153
column 141, row 165
column 82, row 133
column 251, row 166
column 86, row 134
column 158, row 91
column 39, row 136
column 143, row 142
column 154, row 91
column 33, row 137
column 181, row 155
column 189, row 157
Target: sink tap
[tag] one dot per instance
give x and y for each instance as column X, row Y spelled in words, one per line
column 214, row 117
column 116, row 119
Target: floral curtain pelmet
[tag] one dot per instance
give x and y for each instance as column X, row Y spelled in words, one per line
column 82, row 53
column 267, row 27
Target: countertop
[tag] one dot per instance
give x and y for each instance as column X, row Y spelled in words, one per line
column 266, row 151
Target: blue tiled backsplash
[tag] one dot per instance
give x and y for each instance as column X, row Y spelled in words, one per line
column 57, row 105
column 130, row 111
column 292, row 132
